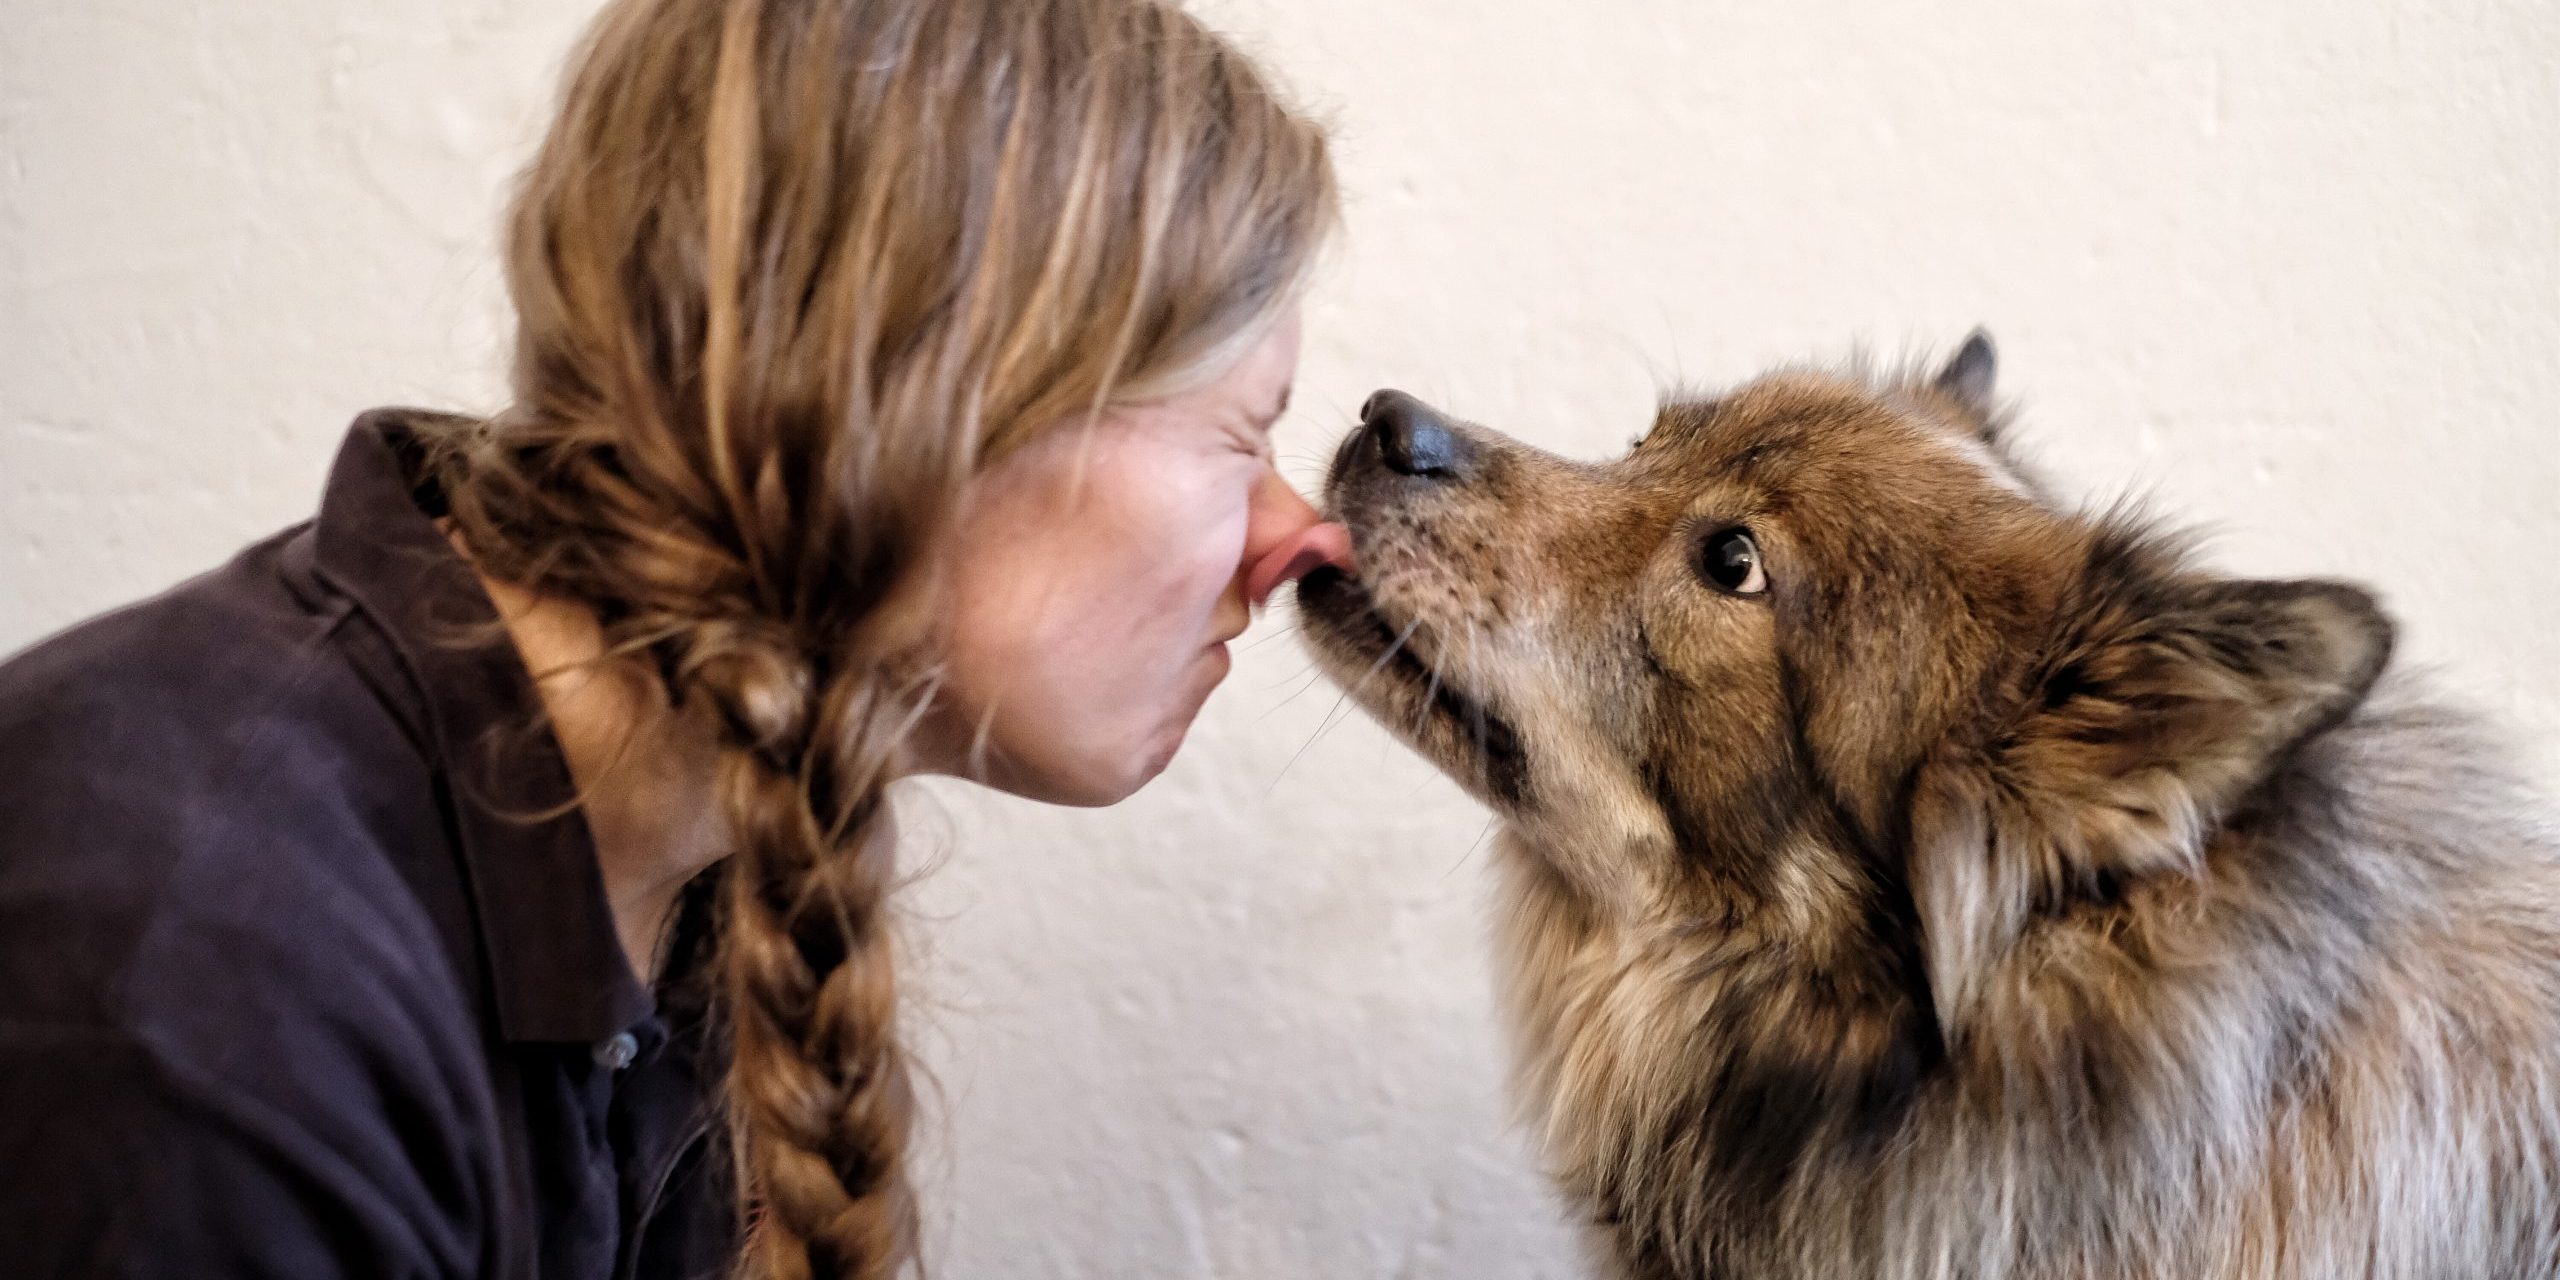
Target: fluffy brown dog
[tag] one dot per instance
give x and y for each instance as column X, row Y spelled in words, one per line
column 1909, row 876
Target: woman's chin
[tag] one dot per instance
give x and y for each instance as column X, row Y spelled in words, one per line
column 1105, row 768
column 1099, row 776
column 1149, row 760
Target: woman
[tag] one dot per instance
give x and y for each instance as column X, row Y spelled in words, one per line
column 408, row 897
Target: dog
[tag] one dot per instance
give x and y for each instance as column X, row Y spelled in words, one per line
column 1905, row 873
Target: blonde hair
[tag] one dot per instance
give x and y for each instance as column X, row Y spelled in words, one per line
column 789, row 273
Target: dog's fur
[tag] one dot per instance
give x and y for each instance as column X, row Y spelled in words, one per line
column 1997, row 895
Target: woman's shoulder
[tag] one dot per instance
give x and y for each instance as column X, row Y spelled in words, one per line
column 229, row 1028
column 205, row 803
column 179, row 679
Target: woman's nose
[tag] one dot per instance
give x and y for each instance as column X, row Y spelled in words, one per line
column 1286, row 540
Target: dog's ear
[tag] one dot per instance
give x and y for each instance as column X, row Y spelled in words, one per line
column 2160, row 703
column 1969, row 376
column 2156, row 714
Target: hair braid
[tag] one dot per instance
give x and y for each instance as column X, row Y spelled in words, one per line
column 819, row 1102
column 819, row 1097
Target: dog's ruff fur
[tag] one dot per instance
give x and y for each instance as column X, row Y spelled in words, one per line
column 1998, row 895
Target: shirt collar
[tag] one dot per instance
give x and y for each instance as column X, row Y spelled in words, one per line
column 546, row 930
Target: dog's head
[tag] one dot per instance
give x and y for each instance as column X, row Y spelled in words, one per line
column 1822, row 612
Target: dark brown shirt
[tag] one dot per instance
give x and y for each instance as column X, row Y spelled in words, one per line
column 295, row 977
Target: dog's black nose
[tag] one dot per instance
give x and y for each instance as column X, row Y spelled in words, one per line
column 1412, row 440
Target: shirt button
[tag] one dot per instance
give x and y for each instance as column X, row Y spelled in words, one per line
column 617, row 1053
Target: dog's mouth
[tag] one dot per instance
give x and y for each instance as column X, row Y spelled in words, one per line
column 1374, row 659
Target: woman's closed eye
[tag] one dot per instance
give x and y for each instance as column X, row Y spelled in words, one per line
column 1253, row 439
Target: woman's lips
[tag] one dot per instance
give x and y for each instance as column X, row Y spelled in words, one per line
column 1311, row 549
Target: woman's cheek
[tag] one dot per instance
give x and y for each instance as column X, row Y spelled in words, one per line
column 1202, row 529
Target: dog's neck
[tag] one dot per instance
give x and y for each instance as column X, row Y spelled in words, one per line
column 1750, row 1018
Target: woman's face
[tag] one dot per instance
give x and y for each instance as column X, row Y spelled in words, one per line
column 1101, row 572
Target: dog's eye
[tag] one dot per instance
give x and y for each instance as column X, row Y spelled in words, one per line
column 1730, row 561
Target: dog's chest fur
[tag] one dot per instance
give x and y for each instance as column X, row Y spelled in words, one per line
column 2357, row 1085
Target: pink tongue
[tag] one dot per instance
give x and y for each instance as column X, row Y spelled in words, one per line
column 1319, row 545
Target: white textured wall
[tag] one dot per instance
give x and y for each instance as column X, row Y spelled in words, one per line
column 2292, row 266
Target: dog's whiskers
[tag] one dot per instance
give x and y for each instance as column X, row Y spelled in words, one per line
column 1481, row 836
column 1276, row 633
column 1475, row 705
column 1311, row 673
column 1333, row 715
column 1430, row 695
